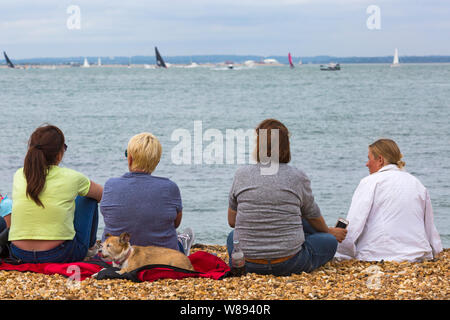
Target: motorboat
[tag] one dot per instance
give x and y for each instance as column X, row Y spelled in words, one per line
column 330, row 67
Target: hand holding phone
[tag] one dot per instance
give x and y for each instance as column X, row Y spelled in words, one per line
column 342, row 223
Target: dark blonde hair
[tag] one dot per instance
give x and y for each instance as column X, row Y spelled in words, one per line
column 389, row 150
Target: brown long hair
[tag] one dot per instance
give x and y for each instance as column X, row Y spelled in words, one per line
column 44, row 145
column 284, row 151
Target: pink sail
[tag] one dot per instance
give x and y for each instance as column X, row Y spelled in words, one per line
column 290, row 60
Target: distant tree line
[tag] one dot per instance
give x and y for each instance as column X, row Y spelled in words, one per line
column 222, row 58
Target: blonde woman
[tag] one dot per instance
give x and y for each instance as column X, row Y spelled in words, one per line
column 390, row 217
column 146, row 206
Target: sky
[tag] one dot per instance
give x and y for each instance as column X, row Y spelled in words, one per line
column 47, row 28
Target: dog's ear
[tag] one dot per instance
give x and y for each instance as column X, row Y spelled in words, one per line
column 124, row 238
column 108, row 235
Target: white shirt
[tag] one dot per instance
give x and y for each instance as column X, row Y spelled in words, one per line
column 390, row 219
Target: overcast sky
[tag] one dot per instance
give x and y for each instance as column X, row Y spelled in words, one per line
column 38, row 28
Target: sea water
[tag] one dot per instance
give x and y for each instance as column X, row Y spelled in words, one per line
column 332, row 116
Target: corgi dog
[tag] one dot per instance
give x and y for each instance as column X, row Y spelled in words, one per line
column 128, row 257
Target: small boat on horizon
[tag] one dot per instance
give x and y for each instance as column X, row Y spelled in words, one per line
column 8, row 61
column 330, row 67
column 395, row 62
column 191, row 65
column 291, row 64
column 86, row 63
column 159, row 60
column 229, row 64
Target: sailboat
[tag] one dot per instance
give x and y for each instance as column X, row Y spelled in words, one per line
column 159, row 59
column 8, row 62
column 99, row 62
column 192, row 65
column 395, row 62
column 290, row 61
column 86, row 63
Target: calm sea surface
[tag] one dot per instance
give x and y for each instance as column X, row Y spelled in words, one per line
column 333, row 116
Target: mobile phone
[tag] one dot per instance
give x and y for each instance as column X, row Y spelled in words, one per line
column 342, row 223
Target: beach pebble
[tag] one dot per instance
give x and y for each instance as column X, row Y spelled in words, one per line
column 335, row 280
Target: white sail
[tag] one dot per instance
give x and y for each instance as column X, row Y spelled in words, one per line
column 395, row 61
column 99, row 62
column 86, row 63
column 192, row 65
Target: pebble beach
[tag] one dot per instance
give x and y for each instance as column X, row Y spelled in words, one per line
column 347, row 280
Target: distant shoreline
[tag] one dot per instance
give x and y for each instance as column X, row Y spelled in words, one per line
column 199, row 65
column 221, row 59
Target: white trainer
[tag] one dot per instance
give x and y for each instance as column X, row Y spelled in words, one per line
column 187, row 238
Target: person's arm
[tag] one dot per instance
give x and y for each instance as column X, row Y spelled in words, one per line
column 311, row 211
column 232, row 204
column 430, row 229
column 178, row 219
column 175, row 200
column 8, row 220
column 95, row 191
column 6, row 209
column 358, row 213
column 232, row 217
column 319, row 225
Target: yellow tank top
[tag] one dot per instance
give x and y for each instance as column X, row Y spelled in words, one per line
column 55, row 221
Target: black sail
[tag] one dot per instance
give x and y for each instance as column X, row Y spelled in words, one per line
column 159, row 59
column 8, row 62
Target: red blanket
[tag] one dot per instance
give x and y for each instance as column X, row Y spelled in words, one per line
column 205, row 264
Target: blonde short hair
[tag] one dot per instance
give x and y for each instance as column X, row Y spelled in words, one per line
column 389, row 150
column 145, row 150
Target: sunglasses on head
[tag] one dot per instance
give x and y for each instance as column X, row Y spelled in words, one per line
column 65, row 147
column 126, row 153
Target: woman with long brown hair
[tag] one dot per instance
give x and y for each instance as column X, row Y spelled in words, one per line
column 54, row 215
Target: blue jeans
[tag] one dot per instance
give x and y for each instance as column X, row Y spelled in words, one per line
column 180, row 247
column 318, row 249
column 3, row 225
column 85, row 224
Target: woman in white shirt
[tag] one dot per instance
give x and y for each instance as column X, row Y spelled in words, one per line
column 390, row 217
